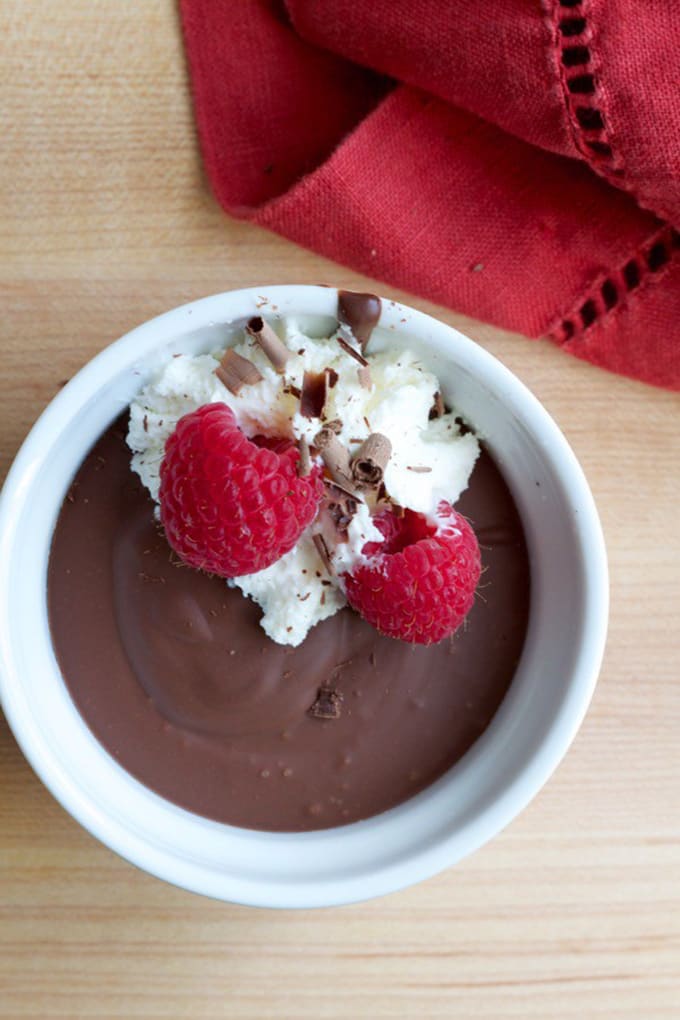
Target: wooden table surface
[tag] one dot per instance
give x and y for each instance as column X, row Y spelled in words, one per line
column 574, row 911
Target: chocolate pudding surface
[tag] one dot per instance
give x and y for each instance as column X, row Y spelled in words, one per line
column 174, row 676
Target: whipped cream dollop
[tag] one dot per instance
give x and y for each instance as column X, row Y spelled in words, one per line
column 430, row 460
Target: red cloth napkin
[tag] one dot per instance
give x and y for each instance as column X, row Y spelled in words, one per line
column 518, row 161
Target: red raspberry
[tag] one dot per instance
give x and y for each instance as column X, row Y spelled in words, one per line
column 231, row 505
column 419, row 584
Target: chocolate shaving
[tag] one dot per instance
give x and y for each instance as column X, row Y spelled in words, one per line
column 437, row 409
column 304, row 467
column 337, row 491
column 341, row 515
column 341, row 665
column 419, row 469
column 145, row 423
column 266, row 338
column 152, row 578
column 328, row 704
column 313, row 397
column 340, row 507
column 332, row 377
column 360, row 312
column 335, row 457
column 370, row 460
column 236, row 372
column 364, row 374
column 463, row 427
column 322, row 549
column 348, row 349
column 294, row 390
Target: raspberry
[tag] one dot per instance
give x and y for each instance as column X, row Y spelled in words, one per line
column 419, row 584
column 231, row 505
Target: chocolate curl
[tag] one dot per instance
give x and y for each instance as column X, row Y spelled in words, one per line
column 304, row 468
column 364, row 374
column 360, row 312
column 370, row 460
column 266, row 338
column 236, row 372
column 335, row 457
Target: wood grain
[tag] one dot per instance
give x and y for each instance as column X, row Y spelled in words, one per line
column 574, row 912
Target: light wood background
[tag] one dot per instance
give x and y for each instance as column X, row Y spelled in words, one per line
column 574, row 912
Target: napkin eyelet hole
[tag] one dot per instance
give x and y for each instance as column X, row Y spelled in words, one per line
column 631, row 274
column 657, row 257
column 581, row 85
column 570, row 27
column 588, row 313
column 589, row 118
column 572, row 56
column 610, row 295
column 599, row 148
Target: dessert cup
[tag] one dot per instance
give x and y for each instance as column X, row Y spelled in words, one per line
column 466, row 807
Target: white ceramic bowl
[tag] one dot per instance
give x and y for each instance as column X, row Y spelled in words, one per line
column 462, row 810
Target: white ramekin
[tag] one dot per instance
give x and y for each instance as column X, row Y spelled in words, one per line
column 466, row 807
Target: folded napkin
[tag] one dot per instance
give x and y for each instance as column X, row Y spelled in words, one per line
column 518, row 161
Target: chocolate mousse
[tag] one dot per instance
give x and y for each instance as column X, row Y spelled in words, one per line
column 173, row 674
